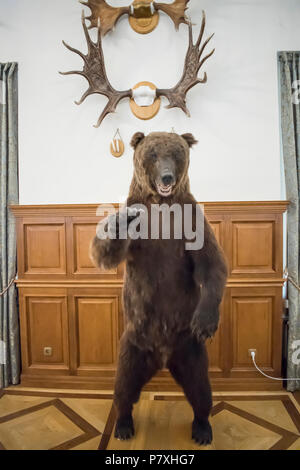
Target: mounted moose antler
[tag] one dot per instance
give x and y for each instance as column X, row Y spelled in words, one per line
column 95, row 73
column 109, row 15
column 192, row 65
column 175, row 10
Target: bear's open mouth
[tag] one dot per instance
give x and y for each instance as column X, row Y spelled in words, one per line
column 164, row 191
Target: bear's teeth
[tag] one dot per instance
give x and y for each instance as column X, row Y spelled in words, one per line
column 164, row 190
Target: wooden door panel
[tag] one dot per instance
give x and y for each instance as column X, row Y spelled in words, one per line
column 47, row 327
column 97, row 327
column 256, row 323
column 252, row 329
column 83, row 235
column 83, row 231
column 253, row 247
column 44, row 251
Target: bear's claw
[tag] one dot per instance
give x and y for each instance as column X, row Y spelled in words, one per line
column 203, row 333
column 202, row 432
column 124, row 429
column 205, row 323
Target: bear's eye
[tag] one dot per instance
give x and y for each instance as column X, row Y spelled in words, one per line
column 153, row 156
column 178, row 156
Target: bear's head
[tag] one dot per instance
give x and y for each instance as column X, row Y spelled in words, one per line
column 161, row 162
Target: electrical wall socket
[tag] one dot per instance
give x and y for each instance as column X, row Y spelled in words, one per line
column 251, row 351
column 48, row 351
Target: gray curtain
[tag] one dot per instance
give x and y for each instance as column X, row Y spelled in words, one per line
column 9, row 321
column 289, row 76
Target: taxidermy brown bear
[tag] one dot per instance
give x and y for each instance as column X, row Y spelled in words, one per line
column 171, row 294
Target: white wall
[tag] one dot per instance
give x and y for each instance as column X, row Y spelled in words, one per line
column 64, row 159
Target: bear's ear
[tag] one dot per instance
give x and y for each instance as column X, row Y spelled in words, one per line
column 190, row 139
column 136, row 139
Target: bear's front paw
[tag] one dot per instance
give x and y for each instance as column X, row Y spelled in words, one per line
column 119, row 223
column 204, row 325
column 202, row 432
column 124, row 429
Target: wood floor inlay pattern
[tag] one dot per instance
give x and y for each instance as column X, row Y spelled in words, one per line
column 64, row 420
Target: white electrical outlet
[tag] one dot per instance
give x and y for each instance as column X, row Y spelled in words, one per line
column 250, row 351
column 48, row 351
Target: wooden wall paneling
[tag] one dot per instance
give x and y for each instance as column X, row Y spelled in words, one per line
column 256, row 323
column 278, row 243
column 44, row 324
column 20, row 247
column 256, row 239
column 42, row 247
column 225, row 349
column 253, row 247
column 252, row 328
column 73, row 339
column 24, row 334
column 58, row 285
column 69, row 247
column 219, row 347
column 81, row 232
column 96, row 329
column 218, row 225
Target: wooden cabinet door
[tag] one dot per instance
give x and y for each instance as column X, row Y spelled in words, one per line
column 42, row 248
column 256, row 323
column 44, row 331
column 255, row 249
column 96, row 325
column 80, row 232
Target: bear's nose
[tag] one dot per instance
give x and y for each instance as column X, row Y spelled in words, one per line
column 167, row 179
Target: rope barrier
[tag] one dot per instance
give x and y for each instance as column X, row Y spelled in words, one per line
column 8, row 287
column 288, row 278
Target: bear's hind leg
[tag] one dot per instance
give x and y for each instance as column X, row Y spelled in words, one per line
column 189, row 366
column 135, row 369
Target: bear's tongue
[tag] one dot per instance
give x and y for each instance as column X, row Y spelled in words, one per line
column 164, row 190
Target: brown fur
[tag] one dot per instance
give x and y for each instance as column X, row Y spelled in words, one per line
column 171, row 295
